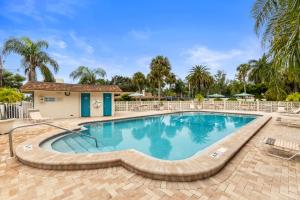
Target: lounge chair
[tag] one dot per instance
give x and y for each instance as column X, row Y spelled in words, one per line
column 36, row 116
column 296, row 111
column 192, row 107
column 281, row 109
column 283, row 145
column 293, row 113
column 199, row 107
column 288, row 122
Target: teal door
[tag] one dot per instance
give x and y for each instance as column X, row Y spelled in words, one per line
column 107, row 104
column 85, row 105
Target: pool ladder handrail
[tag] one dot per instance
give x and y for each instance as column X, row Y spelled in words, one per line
column 10, row 139
column 86, row 135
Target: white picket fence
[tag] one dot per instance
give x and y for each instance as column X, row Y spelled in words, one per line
column 15, row 110
column 20, row 110
column 264, row 106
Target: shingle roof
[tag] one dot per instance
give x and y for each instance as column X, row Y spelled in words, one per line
column 48, row 86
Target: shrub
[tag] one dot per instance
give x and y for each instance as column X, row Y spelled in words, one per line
column 218, row 99
column 293, row 97
column 232, row 99
column 125, row 97
column 199, row 97
column 10, row 95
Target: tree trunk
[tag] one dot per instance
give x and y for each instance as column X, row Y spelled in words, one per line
column 140, row 92
column 32, row 74
column 1, row 72
column 295, row 86
column 244, row 80
column 158, row 90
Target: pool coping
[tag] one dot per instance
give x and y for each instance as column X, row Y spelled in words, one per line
column 199, row 166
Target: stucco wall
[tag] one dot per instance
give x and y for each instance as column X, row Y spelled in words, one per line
column 68, row 106
column 63, row 106
column 96, row 108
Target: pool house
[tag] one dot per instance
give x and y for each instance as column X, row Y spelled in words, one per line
column 62, row 100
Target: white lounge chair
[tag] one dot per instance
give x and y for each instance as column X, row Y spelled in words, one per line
column 192, row 107
column 199, row 107
column 288, row 122
column 36, row 116
column 283, row 145
column 293, row 113
column 296, row 111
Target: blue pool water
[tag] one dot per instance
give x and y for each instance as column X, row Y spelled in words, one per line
column 167, row 137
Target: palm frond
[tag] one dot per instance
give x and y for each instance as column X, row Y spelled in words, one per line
column 46, row 73
column 13, row 45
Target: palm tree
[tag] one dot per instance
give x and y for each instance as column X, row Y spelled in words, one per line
column 278, row 21
column 33, row 57
column 171, row 79
column 242, row 74
column 87, row 75
column 139, row 79
column 180, row 88
column 160, row 68
column 258, row 69
column 200, row 77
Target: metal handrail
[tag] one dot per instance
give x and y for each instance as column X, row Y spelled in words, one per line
column 96, row 142
column 10, row 134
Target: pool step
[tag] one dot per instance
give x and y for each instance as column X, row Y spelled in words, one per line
column 85, row 143
column 62, row 146
column 74, row 145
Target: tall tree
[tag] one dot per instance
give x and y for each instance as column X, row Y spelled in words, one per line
column 278, row 21
column 12, row 80
column 220, row 81
column 139, row 80
column 160, row 69
column 33, row 57
column 87, row 75
column 242, row 74
column 125, row 83
column 171, row 80
column 258, row 69
column 200, row 78
column 180, row 88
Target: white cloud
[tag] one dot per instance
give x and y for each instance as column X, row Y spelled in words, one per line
column 69, row 63
column 210, row 57
column 48, row 10
column 226, row 60
column 63, row 7
column 57, row 43
column 81, row 43
column 139, row 34
column 143, row 62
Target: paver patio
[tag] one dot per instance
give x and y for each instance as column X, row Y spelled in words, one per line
column 251, row 174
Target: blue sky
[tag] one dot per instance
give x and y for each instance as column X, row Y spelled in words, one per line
column 122, row 36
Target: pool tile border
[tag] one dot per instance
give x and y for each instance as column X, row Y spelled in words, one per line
column 199, row 166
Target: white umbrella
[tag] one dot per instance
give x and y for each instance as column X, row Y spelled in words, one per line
column 136, row 94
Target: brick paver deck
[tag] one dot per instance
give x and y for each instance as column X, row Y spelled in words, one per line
column 251, row 174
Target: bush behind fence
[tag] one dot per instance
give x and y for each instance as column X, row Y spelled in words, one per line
column 15, row 110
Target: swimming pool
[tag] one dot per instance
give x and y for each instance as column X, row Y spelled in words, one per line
column 169, row 137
